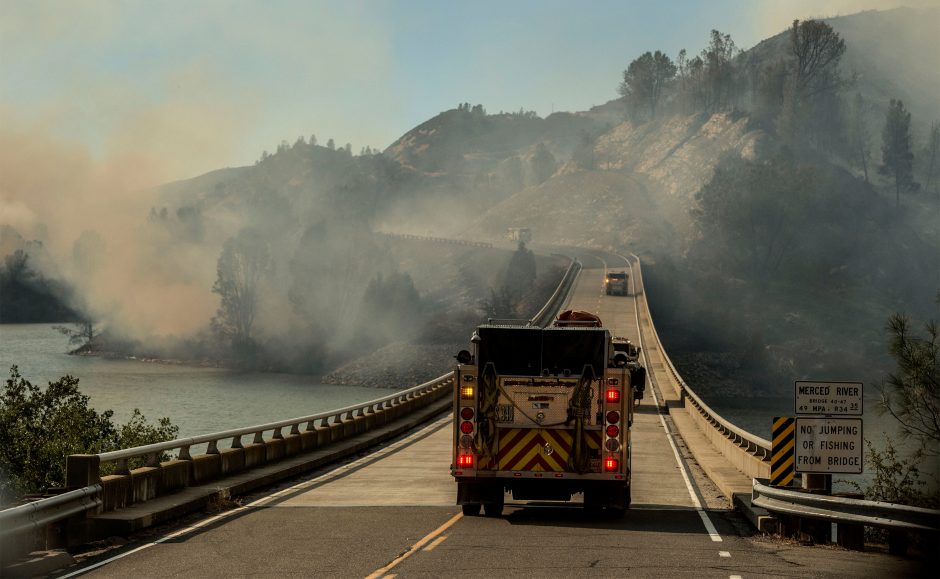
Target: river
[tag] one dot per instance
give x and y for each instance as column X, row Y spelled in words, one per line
column 198, row 400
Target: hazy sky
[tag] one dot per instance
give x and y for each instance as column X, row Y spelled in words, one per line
column 201, row 85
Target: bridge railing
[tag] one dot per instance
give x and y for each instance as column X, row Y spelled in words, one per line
column 747, row 451
column 340, row 423
column 545, row 315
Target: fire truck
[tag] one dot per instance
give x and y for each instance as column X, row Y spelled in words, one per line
column 545, row 414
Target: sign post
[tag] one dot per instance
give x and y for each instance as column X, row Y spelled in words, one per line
column 781, row 455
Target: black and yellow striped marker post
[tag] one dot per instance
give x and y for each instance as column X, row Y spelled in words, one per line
column 781, row 455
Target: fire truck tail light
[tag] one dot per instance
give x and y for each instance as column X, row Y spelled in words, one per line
column 611, row 464
column 613, row 417
column 466, row 427
column 465, row 460
column 613, row 430
column 466, row 413
column 613, row 395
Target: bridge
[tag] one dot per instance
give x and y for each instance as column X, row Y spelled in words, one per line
column 366, row 491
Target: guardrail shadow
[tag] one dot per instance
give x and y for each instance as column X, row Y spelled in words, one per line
column 648, row 408
column 645, row 518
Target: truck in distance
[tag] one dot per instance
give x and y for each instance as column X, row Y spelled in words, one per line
column 616, row 283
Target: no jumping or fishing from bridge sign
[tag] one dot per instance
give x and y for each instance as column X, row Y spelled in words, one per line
column 781, row 462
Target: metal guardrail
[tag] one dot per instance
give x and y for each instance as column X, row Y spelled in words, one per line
column 451, row 241
column 545, row 315
column 750, row 443
column 844, row 510
column 38, row 514
column 152, row 452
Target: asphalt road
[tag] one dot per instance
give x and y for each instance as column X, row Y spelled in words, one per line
column 392, row 513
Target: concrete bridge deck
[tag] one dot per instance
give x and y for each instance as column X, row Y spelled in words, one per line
column 392, row 512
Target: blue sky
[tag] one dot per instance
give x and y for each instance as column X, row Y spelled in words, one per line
column 201, row 85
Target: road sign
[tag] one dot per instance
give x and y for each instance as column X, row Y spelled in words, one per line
column 828, row 445
column 828, row 398
column 781, row 456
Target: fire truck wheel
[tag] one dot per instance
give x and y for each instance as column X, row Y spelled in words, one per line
column 471, row 509
column 493, row 509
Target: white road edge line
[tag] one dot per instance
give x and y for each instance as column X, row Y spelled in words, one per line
column 414, row 548
column 266, row 499
column 709, row 526
column 724, row 553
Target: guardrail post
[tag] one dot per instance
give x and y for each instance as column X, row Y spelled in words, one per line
column 308, row 438
column 292, row 442
column 256, row 453
column 851, row 536
column 897, row 542
column 324, row 435
column 176, row 473
column 208, row 466
column 349, row 425
column 81, row 470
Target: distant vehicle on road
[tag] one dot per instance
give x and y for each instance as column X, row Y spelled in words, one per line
column 616, row 283
column 523, row 234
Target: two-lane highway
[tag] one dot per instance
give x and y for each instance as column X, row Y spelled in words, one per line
column 393, row 513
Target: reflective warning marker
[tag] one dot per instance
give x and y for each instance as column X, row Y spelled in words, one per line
column 781, row 456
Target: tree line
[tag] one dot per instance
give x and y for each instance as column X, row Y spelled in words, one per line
column 800, row 95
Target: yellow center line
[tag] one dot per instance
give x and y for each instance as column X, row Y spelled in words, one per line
column 411, row 550
column 436, row 542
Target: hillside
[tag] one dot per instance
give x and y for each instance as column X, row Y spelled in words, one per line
column 743, row 219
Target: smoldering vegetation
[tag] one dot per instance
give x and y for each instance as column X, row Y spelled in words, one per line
column 279, row 267
column 800, row 249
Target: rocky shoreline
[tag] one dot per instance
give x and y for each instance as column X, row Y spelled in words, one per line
column 396, row 366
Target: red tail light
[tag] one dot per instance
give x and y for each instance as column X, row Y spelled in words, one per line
column 611, row 464
column 613, row 395
column 465, row 460
column 613, row 430
column 466, row 413
column 466, row 427
column 613, row 417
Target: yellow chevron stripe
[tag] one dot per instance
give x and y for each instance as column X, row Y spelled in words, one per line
column 560, row 441
column 779, row 469
column 782, row 452
column 779, row 437
column 522, row 461
column 511, row 455
column 530, row 445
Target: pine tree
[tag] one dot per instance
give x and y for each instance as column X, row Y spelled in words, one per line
column 896, row 156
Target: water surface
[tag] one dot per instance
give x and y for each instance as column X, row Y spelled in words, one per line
column 198, row 400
